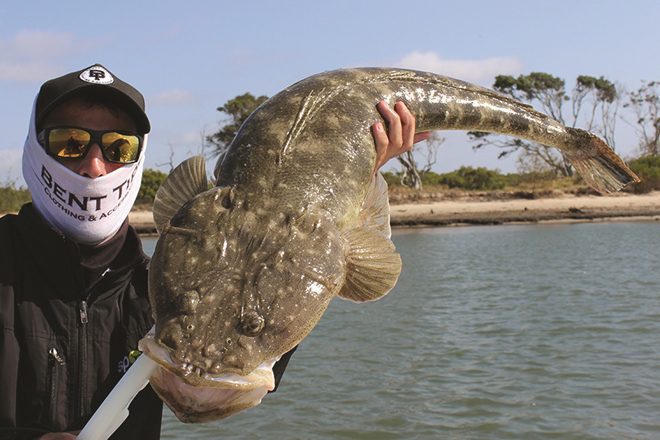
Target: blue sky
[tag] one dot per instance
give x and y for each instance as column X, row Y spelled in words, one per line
column 190, row 58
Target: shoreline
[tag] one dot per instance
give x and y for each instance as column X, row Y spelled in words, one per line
column 565, row 208
column 469, row 212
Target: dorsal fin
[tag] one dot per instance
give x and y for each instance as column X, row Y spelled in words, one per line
column 184, row 182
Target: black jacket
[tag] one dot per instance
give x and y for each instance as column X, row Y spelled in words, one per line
column 67, row 328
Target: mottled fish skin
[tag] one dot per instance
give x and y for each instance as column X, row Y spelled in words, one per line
column 229, row 285
column 244, row 271
column 325, row 119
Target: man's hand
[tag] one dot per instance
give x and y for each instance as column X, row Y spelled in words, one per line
column 400, row 135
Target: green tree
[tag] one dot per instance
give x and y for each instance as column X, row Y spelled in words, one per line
column 13, row 197
column 600, row 100
column 473, row 179
column 594, row 103
column 236, row 110
column 648, row 169
column 645, row 104
column 151, row 181
column 412, row 174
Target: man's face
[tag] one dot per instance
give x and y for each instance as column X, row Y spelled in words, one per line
column 77, row 113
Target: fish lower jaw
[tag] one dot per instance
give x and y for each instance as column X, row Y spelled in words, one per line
column 195, row 396
column 260, row 377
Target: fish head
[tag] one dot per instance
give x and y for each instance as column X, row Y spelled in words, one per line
column 233, row 288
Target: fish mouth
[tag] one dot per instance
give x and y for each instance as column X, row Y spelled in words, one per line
column 262, row 376
column 195, row 396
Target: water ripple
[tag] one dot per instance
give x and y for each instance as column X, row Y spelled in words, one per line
column 517, row 332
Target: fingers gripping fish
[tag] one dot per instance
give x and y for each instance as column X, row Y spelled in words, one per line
column 243, row 271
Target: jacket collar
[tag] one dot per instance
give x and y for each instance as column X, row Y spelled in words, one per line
column 72, row 268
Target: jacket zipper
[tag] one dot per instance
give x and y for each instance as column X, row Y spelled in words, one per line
column 54, row 359
column 82, row 309
column 82, row 345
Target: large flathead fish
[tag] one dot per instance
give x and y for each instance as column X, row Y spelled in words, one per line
column 243, row 271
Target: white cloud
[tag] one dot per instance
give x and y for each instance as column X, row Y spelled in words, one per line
column 36, row 44
column 171, row 97
column 25, row 71
column 480, row 71
column 31, row 55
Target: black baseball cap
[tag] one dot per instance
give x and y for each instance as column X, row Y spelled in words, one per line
column 95, row 78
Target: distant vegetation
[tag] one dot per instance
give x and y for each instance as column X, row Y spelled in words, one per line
column 151, row 181
column 484, row 179
column 464, row 179
column 648, row 169
column 12, row 198
column 480, row 179
column 593, row 103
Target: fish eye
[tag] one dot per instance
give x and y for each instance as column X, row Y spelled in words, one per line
column 226, row 202
column 252, row 324
column 228, row 199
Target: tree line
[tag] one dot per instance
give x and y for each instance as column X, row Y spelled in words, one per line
column 595, row 104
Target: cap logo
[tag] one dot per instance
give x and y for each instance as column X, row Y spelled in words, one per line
column 97, row 75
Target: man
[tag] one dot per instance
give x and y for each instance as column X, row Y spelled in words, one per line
column 73, row 289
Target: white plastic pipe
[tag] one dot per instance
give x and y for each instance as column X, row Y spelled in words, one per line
column 114, row 409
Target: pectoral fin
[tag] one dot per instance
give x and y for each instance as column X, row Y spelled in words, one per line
column 372, row 265
column 184, row 182
column 375, row 212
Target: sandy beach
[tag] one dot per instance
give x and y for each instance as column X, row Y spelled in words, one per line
column 467, row 211
column 563, row 208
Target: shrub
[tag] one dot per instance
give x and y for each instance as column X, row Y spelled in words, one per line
column 12, row 198
column 431, row 178
column 473, row 179
column 151, row 181
column 648, row 169
column 530, row 178
column 391, row 178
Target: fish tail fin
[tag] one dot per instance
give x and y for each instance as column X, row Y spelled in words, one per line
column 599, row 166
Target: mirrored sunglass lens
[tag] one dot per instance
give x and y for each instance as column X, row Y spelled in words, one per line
column 122, row 148
column 67, row 142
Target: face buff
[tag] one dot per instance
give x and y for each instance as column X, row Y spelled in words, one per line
column 85, row 210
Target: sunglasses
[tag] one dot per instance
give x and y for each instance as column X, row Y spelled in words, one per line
column 74, row 143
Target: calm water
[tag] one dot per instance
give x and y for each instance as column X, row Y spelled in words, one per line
column 511, row 332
